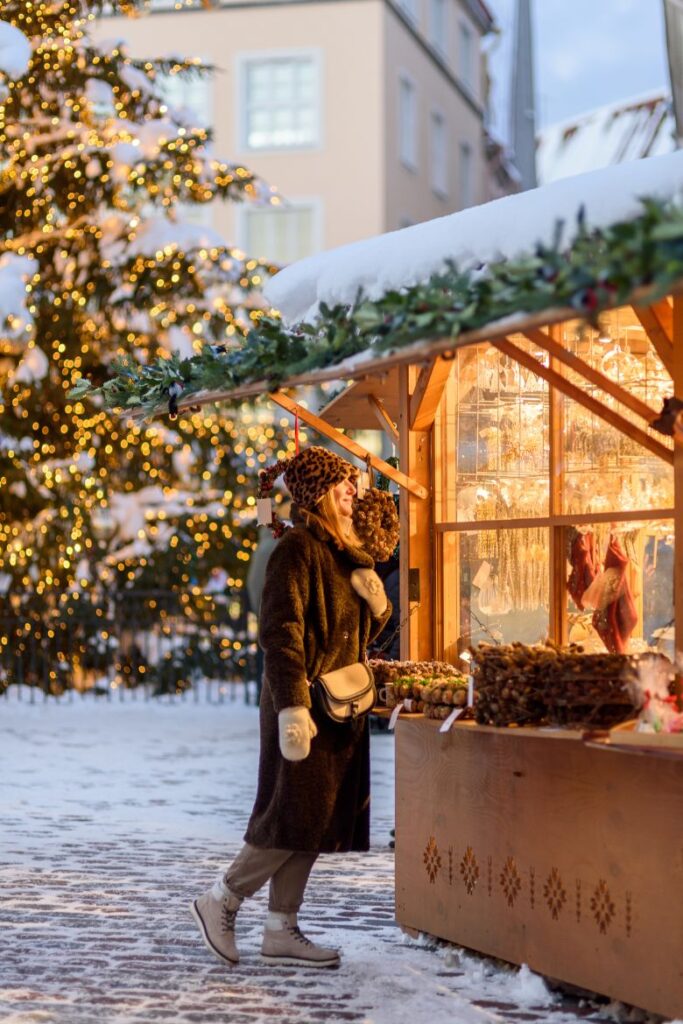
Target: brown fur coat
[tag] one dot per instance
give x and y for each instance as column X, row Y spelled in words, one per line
column 312, row 621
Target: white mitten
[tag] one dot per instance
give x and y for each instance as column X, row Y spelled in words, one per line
column 297, row 729
column 369, row 586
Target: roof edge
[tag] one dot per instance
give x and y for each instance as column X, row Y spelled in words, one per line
column 481, row 14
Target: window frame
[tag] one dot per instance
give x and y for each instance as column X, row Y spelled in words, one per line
column 207, row 80
column 439, row 40
column 249, row 57
column 411, row 161
column 465, row 147
column 439, row 182
column 467, row 64
column 314, row 203
column 411, row 9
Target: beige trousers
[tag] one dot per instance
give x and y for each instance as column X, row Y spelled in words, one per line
column 287, row 872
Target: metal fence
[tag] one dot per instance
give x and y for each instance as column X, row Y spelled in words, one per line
column 137, row 644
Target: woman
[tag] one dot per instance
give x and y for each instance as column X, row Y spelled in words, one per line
column 322, row 603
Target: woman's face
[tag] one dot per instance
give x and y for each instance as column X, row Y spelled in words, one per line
column 344, row 493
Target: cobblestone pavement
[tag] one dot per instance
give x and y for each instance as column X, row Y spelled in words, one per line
column 113, row 817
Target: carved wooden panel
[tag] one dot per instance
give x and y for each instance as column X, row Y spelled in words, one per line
column 538, row 848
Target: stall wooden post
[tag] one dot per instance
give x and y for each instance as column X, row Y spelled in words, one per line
column 557, row 624
column 678, row 478
column 416, row 545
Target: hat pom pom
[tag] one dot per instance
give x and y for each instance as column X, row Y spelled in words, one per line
column 376, row 522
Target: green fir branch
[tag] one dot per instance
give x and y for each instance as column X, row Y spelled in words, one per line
column 601, row 269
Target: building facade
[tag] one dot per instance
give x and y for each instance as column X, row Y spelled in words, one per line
column 367, row 115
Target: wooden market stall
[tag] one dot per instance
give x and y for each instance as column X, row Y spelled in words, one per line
column 559, row 848
column 520, row 444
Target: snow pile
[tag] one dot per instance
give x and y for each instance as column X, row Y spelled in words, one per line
column 156, row 234
column 117, row 811
column 529, row 989
column 504, row 228
column 15, row 51
column 32, row 366
column 15, row 272
column 8, row 443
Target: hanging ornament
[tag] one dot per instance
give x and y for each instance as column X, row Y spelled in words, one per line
column 265, row 513
column 174, row 391
column 376, row 522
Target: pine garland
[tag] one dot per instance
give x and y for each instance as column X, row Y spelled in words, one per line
column 601, row 269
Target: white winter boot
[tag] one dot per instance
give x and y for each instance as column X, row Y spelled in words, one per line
column 215, row 912
column 284, row 943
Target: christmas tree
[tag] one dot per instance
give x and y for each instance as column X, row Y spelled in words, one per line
column 98, row 264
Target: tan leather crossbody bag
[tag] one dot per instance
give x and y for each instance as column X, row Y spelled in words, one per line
column 346, row 694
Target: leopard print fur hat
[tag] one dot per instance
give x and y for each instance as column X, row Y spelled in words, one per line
column 308, row 475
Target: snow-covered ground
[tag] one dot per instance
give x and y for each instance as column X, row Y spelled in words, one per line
column 113, row 815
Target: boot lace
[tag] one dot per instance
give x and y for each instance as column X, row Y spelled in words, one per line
column 228, row 917
column 296, row 932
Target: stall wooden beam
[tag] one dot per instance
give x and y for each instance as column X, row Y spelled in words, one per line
column 384, row 419
column 415, row 488
column 417, row 562
column 640, row 515
column 573, row 362
column 655, row 319
column 614, row 419
column 428, row 392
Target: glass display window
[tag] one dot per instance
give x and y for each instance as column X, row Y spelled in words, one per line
column 603, row 469
column 497, row 587
column 495, row 435
column 619, row 585
column 534, row 488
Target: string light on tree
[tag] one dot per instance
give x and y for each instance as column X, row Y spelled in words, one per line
column 96, row 265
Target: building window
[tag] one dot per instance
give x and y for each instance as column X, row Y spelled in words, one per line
column 189, row 96
column 438, row 29
column 466, row 55
column 466, row 176
column 439, row 154
column 410, row 7
column 280, row 102
column 407, row 128
column 280, row 234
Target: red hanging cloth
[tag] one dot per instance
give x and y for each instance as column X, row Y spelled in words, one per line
column 616, row 621
column 584, row 561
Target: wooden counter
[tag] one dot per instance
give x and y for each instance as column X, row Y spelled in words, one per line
column 539, row 848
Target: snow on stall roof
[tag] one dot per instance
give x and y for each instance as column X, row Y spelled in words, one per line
column 503, row 228
column 642, row 126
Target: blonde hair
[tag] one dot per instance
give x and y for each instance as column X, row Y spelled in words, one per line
column 327, row 515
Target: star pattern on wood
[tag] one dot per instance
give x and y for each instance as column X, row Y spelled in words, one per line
column 554, row 893
column 510, row 881
column 469, row 870
column 432, row 859
column 602, row 906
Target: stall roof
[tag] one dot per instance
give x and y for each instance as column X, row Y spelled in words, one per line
column 642, row 126
column 504, row 228
column 361, row 406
